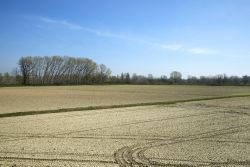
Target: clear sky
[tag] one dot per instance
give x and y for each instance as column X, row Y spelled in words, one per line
column 195, row 37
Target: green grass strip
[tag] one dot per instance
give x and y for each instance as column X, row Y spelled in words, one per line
column 15, row 114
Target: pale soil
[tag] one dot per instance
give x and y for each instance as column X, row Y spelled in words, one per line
column 18, row 99
column 206, row 133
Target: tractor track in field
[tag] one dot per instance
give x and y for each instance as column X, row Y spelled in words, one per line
column 61, row 134
column 137, row 122
column 133, row 156
column 23, row 136
column 186, row 163
column 56, row 159
column 112, row 137
column 57, row 156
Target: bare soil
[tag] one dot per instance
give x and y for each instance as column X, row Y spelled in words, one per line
column 22, row 99
column 205, row 133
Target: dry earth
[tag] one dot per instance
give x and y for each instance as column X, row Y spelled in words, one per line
column 18, row 99
column 205, row 133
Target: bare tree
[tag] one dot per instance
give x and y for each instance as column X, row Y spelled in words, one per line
column 103, row 73
column 1, row 78
column 26, row 66
column 175, row 76
column 61, row 70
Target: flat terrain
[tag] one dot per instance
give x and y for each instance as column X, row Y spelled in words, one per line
column 212, row 133
column 22, row 99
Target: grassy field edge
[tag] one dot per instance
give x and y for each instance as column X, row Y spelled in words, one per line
column 15, row 114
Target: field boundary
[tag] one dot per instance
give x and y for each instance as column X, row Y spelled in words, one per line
column 25, row 113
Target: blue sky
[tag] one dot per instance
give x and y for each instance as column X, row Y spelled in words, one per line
column 195, row 37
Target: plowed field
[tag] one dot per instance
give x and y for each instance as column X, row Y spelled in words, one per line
column 199, row 133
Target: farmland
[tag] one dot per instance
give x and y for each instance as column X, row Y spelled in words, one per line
column 20, row 99
column 196, row 133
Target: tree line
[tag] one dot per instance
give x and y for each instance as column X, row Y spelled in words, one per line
column 58, row 70
column 175, row 78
